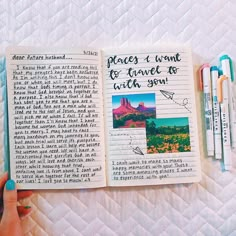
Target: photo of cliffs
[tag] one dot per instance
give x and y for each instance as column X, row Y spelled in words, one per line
column 131, row 111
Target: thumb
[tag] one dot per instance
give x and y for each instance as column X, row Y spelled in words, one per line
column 10, row 223
column 10, row 200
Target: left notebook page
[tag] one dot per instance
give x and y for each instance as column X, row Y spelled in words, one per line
column 56, row 134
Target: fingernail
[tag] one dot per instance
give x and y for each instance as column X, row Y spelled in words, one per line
column 10, row 185
column 27, row 207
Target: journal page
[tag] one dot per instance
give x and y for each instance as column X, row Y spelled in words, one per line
column 55, row 110
column 151, row 123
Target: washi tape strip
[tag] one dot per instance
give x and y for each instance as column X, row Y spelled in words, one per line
column 4, row 114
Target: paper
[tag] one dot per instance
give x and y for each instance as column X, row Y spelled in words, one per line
column 55, row 118
column 151, row 123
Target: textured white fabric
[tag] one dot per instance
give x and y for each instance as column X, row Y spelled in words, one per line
column 207, row 208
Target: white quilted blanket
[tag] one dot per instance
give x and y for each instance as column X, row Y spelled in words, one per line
column 207, row 208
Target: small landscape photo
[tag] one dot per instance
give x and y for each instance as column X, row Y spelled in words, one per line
column 168, row 135
column 131, row 111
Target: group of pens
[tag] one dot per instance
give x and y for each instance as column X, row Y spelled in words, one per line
column 217, row 84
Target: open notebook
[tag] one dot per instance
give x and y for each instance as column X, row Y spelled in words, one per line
column 84, row 118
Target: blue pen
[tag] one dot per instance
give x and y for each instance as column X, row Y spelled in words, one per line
column 227, row 69
column 205, row 84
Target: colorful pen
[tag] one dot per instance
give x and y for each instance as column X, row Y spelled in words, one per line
column 205, row 85
column 222, row 91
column 216, row 113
column 227, row 69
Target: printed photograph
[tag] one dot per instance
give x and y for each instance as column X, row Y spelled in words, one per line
column 131, row 111
column 168, row 135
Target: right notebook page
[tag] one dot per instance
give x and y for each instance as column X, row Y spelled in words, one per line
column 150, row 117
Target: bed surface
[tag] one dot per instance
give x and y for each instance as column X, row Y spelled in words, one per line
column 207, row 208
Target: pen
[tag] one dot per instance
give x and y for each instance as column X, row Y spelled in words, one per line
column 222, row 91
column 227, row 69
column 205, row 85
column 216, row 113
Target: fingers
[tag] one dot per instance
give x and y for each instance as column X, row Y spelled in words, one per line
column 10, row 196
column 23, row 210
column 10, row 219
column 3, row 180
column 10, row 210
column 10, row 213
column 23, row 194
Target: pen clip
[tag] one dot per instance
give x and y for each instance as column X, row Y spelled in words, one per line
column 231, row 69
column 220, row 81
column 206, row 65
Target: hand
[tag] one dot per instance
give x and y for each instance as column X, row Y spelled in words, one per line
column 10, row 222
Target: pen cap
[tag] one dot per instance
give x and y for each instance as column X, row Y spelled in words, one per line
column 214, row 68
column 214, row 78
column 227, row 66
column 204, row 75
